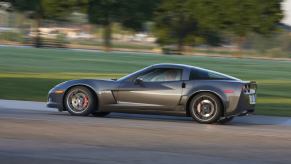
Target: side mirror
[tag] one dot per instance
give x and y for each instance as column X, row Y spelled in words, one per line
column 138, row 81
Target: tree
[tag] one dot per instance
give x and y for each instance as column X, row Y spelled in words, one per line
column 129, row 13
column 186, row 22
column 44, row 9
column 247, row 16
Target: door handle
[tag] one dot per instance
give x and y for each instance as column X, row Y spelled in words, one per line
column 183, row 85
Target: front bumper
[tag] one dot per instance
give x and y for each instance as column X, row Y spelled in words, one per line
column 52, row 104
column 55, row 101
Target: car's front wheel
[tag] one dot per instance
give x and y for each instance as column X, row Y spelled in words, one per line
column 205, row 108
column 79, row 101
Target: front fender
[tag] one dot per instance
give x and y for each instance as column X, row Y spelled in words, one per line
column 57, row 93
column 101, row 88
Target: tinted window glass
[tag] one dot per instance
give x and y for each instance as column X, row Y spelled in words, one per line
column 162, row 75
column 199, row 74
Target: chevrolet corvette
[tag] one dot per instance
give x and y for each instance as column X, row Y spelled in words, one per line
column 205, row 95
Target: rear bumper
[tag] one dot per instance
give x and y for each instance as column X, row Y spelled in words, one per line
column 246, row 101
column 246, row 112
column 243, row 107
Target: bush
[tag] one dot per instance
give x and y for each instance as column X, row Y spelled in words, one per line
column 275, row 45
column 276, row 52
column 62, row 39
column 12, row 36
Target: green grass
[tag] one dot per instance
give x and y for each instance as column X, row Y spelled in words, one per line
column 28, row 73
column 246, row 53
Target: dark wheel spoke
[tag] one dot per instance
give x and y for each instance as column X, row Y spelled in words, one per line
column 80, row 101
column 205, row 108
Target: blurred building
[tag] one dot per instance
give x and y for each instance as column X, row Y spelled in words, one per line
column 69, row 32
column 5, row 15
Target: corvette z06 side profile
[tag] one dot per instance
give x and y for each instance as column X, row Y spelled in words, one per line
column 206, row 96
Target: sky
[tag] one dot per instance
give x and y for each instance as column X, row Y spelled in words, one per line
column 287, row 12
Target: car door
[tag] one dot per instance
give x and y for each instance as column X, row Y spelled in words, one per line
column 159, row 88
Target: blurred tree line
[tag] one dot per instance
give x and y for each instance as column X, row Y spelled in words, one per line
column 176, row 22
column 204, row 21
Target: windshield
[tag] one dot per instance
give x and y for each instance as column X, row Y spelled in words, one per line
column 131, row 75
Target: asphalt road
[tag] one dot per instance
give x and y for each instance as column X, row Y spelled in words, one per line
column 31, row 133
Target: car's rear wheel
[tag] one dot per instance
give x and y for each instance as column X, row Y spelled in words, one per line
column 79, row 101
column 205, row 108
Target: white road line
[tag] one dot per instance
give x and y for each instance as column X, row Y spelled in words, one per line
column 25, row 105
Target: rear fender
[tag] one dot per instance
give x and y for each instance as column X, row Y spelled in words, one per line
column 219, row 93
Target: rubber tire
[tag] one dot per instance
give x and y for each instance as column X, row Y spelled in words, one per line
column 100, row 114
column 218, row 105
column 92, row 102
column 225, row 120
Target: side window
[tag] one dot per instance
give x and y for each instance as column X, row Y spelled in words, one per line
column 198, row 75
column 162, row 74
column 215, row 76
column 206, row 75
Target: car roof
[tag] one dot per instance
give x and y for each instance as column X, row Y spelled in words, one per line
column 171, row 65
column 178, row 66
column 185, row 66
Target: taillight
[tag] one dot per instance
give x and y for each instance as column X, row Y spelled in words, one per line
column 250, row 88
column 246, row 88
column 228, row 91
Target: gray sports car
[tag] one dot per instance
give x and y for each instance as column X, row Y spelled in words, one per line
column 207, row 96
